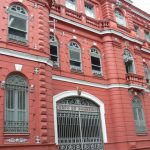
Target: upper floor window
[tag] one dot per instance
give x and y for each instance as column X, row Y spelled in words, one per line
column 95, row 61
column 128, row 61
column 137, row 31
column 54, row 50
column 139, row 118
column 16, row 104
column 120, row 18
column 71, row 4
column 147, row 36
column 17, row 24
column 147, row 73
column 89, row 10
column 75, row 56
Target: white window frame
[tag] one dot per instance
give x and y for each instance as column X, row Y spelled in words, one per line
column 147, row 36
column 94, row 52
column 54, row 42
column 71, row 4
column 74, row 47
column 13, row 119
column 89, row 10
column 85, row 95
column 120, row 19
column 139, row 123
column 127, row 56
column 147, row 73
column 22, row 14
column 137, row 30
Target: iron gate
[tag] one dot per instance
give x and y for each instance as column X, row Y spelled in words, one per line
column 78, row 124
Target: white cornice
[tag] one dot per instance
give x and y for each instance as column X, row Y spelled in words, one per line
column 128, row 1
column 145, row 50
column 109, row 31
column 138, row 13
column 26, row 56
column 97, row 85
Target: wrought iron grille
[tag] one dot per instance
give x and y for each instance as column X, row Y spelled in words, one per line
column 16, row 105
column 78, row 124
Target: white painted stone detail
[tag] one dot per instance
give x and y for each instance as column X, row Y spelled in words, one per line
column 18, row 67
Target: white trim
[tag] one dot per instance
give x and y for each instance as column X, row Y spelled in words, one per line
column 138, row 13
column 97, row 85
column 86, row 95
column 145, row 50
column 26, row 56
column 109, row 31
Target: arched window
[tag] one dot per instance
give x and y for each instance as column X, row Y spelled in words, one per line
column 78, row 124
column 16, row 104
column 75, row 56
column 120, row 18
column 147, row 73
column 95, row 61
column 138, row 115
column 128, row 61
column 54, row 50
column 17, row 24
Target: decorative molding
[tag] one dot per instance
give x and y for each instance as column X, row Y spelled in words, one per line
column 98, row 85
column 85, row 95
column 145, row 50
column 18, row 67
column 17, row 140
column 26, row 56
column 107, row 31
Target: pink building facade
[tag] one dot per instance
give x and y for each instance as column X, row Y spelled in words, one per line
column 75, row 77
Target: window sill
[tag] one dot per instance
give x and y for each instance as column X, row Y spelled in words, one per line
column 76, row 71
column 18, row 42
column 16, row 134
column 123, row 28
column 142, row 134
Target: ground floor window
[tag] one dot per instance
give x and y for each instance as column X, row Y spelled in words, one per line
column 78, row 124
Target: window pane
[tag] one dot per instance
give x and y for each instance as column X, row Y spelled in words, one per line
column 75, row 63
column 14, row 34
column 89, row 10
column 71, row 4
column 95, row 61
column 74, row 55
column 53, row 50
column 17, row 23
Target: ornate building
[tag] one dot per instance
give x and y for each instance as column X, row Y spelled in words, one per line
column 75, row 78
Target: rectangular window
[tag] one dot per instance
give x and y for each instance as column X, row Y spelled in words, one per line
column 147, row 36
column 71, row 4
column 89, row 10
column 137, row 30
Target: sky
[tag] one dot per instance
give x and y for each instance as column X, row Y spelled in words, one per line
column 142, row 4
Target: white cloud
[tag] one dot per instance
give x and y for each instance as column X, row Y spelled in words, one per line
column 142, row 4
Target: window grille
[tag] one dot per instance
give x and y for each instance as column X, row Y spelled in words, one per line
column 54, row 50
column 138, row 115
column 89, row 10
column 17, row 24
column 71, row 4
column 147, row 73
column 120, row 18
column 128, row 60
column 147, row 36
column 78, row 124
column 96, row 62
column 16, row 105
column 75, row 56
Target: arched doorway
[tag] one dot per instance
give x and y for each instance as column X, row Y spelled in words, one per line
column 78, row 124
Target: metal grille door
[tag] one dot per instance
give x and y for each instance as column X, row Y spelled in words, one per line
column 78, row 123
